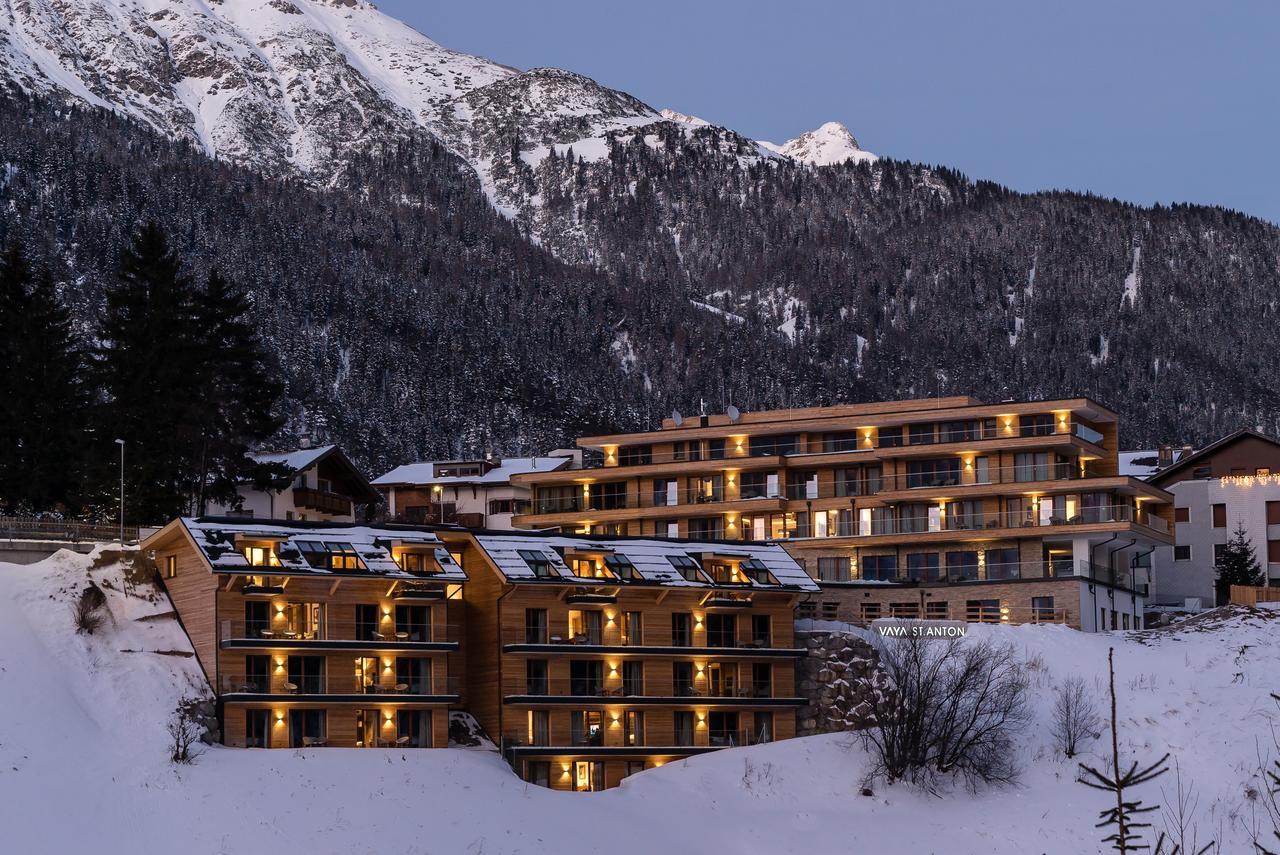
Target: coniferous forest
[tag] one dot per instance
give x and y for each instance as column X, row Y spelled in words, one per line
column 399, row 315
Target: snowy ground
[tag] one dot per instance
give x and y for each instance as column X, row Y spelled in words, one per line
column 83, row 759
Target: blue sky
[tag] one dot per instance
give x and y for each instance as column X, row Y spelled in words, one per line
column 1146, row 101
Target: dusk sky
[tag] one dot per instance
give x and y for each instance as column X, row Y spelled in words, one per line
column 1146, row 101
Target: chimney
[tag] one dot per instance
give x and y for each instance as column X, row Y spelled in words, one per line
column 1164, row 457
column 304, row 442
column 1187, row 451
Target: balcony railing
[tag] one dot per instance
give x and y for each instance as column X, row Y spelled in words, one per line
column 322, row 500
column 985, row 571
column 1092, row 515
column 388, row 633
column 41, row 528
column 576, row 741
column 613, row 688
column 387, row 685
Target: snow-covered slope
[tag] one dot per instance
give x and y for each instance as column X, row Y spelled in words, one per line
column 830, row 144
column 279, row 84
column 292, row 86
column 81, row 728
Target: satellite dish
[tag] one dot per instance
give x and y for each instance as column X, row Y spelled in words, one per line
column 677, row 418
column 733, row 414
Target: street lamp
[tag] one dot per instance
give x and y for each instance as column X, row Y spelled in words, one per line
column 120, row 442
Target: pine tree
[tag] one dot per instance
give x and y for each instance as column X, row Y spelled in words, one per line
column 1237, row 564
column 151, row 376
column 43, row 389
column 241, row 392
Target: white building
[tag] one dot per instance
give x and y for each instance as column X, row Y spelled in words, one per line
column 1234, row 481
column 314, row 484
column 472, row 493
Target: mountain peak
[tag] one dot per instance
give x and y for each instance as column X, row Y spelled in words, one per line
column 829, row 144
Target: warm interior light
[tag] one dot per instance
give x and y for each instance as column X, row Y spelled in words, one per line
column 279, row 716
column 390, row 716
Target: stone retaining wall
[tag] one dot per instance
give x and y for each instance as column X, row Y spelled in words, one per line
column 842, row 679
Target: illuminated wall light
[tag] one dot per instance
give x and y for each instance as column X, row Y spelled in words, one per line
column 701, row 668
column 279, row 717
column 389, row 717
column 702, row 719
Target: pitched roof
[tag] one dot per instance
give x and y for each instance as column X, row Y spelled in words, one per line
column 651, row 558
column 1161, row 477
column 216, row 538
column 424, row 472
column 304, row 458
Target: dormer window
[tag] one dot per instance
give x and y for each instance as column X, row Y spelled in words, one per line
column 622, row 567
column 538, row 562
column 330, row 555
column 261, row 556
column 687, row 568
column 754, row 568
column 412, row 562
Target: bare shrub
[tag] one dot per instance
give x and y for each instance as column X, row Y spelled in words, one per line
column 184, row 729
column 954, row 712
column 1075, row 715
column 1269, row 844
column 87, row 612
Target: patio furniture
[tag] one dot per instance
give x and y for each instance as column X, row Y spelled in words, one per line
column 402, row 687
column 292, row 688
column 403, row 740
column 402, row 636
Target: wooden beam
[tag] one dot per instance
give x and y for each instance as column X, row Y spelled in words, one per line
column 662, row 595
column 333, row 589
column 392, row 589
column 230, row 581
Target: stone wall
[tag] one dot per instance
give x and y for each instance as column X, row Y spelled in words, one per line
column 842, row 679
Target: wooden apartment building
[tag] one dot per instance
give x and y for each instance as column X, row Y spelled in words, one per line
column 585, row 658
column 317, row 634
column 589, row 658
column 939, row 508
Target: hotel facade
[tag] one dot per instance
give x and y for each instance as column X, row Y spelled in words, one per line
column 937, row 508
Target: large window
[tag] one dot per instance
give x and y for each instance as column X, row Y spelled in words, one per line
column 913, row 518
column 962, row 566
column 757, row 485
column 722, row 728
column 847, row 482
column 941, row 472
column 632, row 678
column 722, row 630
column 535, row 677
column 585, row 626
column 922, row 434
column 535, row 626
column 1031, row 466
column 982, row 611
column 844, row 441
column 413, row 623
column 834, row 569
column 555, row 500
column 632, row 628
column 586, row 677
column 889, row 437
column 768, row 446
column 802, row 485
column 880, row 568
column 1002, row 563
column 964, row 516
column 586, row 727
column 633, row 728
column 683, row 727
column 923, row 567
column 963, row 431
column 413, row 728
column 306, row 728
column 635, row 455
column 1037, row 425
column 681, row 629
column 608, row 496
column 367, row 619
column 706, row 528
column 682, row 679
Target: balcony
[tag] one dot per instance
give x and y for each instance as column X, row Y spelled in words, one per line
column 938, row 522
column 550, row 691
column 343, row 688
column 981, row 571
column 322, row 501
column 434, row 637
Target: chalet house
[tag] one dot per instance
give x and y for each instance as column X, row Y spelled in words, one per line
column 472, row 493
column 935, row 508
column 1234, row 481
column 318, row 484
column 318, row 634
column 590, row 658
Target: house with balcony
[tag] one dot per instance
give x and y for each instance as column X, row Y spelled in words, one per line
column 471, row 493
column 590, row 658
column 318, row 634
column 306, row 484
column 1231, row 483
column 939, row 507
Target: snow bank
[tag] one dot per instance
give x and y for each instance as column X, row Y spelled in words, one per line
column 83, row 757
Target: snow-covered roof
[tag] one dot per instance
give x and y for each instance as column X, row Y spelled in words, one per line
column 217, row 540
column 424, row 473
column 296, row 460
column 651, row 559
column 1139, row 464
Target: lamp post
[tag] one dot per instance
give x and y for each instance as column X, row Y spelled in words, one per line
column 120, row 442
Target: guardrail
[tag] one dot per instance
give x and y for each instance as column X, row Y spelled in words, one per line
column 72, row 531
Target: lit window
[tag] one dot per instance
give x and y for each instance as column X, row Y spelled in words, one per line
column 261, row 556
column 329, row 555
column 756, row 569
column 171, row 566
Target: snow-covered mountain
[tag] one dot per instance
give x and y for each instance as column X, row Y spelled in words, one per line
column 283, row 85
column 291, row 86
column 830, row 144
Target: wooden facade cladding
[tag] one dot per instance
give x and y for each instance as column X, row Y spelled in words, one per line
column 525, row 678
